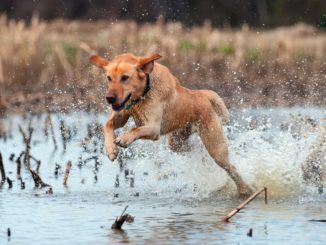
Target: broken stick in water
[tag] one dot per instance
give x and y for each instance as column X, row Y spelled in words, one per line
column 48, row 122
column 249, row 233
column 242, row 205
column 27, row 141
column 56, row 170
column 38, row 163
column 8, row 234
column 22, row 183
column 67, row 171
column 9, row 181
column 2, row 170
column 38, row 181
column 18, row 162
column 120, row 221
column 63, row 131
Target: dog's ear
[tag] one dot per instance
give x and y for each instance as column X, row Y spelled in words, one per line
column 147, row 63
column 98, row 61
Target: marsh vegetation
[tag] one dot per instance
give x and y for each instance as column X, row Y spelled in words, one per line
column 45, row 64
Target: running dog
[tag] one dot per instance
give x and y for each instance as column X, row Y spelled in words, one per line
column 139, row 87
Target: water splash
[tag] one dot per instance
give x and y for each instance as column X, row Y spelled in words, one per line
column 268, row 146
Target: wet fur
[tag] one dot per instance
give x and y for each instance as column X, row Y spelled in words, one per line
column 168, row 109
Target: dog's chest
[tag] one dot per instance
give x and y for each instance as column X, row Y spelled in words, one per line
column 139, row 116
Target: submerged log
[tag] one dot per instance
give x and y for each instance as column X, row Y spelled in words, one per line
column 242, row 205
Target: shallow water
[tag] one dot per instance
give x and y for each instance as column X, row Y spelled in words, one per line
column 175, row 198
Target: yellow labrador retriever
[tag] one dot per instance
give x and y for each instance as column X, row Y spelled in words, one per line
column 148, row 92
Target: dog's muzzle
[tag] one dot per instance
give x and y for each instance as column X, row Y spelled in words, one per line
column 118, row 107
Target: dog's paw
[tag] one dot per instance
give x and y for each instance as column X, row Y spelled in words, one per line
column 124, row 140
column 112, row 151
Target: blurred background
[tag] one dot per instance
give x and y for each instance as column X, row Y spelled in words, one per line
column 254, row 53
column 234, row 13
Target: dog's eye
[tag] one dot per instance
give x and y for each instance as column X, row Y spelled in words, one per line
column 109, row 78
column 124, row 78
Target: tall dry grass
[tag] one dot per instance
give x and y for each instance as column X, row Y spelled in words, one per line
column 42, row 64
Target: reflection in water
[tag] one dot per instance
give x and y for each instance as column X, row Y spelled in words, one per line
column 118, row 236
column 175, row 198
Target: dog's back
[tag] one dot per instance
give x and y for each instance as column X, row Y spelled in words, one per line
column 180, row 100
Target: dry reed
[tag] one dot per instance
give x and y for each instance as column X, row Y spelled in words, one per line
column 44, row 64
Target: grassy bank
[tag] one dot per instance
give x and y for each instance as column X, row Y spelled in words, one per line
column 42, row 64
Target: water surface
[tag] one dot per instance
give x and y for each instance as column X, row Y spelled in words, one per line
column 175, row 198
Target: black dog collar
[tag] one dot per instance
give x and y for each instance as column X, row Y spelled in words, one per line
column 147, row 88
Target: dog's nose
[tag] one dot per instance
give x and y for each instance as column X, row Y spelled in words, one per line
column 111, row 99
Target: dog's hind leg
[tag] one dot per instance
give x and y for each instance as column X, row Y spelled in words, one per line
column 211, row 133
column 178, row 140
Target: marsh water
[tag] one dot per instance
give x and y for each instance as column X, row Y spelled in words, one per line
column 176, row 198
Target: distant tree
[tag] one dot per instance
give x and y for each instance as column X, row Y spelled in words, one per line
column 259, row 13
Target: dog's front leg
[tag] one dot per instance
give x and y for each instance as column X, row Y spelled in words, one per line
column 144, row 132
column 116, row 120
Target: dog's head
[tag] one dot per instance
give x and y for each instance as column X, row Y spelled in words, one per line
column 126, row 75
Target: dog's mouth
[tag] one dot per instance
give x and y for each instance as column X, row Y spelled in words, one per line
column 119, row 107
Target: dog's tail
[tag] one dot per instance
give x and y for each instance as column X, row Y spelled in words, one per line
column 218, row 105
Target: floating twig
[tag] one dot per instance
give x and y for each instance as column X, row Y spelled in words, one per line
column 38, row 181
column 242, row 205
column 67, row 171
column 120, row 220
